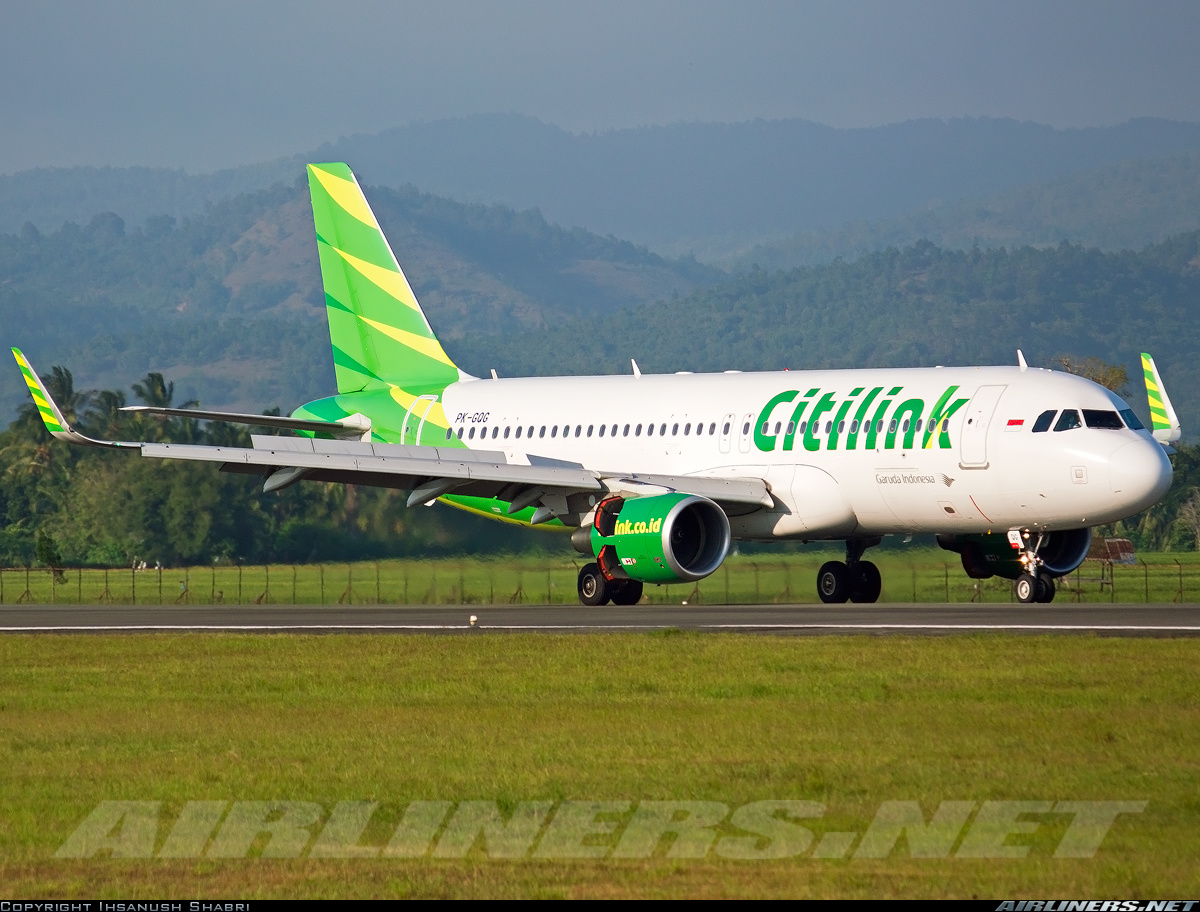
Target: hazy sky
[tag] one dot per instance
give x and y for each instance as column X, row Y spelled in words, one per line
column 210, row 84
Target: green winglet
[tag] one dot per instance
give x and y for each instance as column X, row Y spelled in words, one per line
column 1163, row 420
column 52, row 417
column 55, row 423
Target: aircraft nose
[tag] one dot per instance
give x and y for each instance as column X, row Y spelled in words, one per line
column 1140, row 473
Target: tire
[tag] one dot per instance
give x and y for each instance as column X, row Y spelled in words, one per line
column 629, row 592
column 833, row 583
column 866, row 583
column 594, row 589
column 1045, row 588
column 1026, row 588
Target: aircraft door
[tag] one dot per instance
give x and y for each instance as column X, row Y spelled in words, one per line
column 975, row 425
column 727, row 427
column 418, row 410
column 746, row 432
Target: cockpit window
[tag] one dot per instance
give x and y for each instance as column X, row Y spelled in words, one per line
column 1100, row 418
column 1044, row 420
column 1067, row 420
column 1131, row 420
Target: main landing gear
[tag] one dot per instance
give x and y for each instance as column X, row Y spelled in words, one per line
column 856, row 580
column 596, row 589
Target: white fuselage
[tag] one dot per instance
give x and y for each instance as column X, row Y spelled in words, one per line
column 980, row 468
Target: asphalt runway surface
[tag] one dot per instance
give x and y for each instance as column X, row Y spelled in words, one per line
column 919, row 619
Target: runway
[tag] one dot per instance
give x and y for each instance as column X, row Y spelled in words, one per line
column 919, row 619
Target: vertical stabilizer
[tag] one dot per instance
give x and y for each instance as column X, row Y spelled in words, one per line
column 380, row 336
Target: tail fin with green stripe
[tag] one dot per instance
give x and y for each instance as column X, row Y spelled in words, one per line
column 380, row 336
column 1163, row 420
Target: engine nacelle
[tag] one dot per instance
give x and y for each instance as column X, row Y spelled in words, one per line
column 991, row 554
column 666, row 538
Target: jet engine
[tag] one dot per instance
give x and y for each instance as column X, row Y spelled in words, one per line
column 992, row 554
column 665, row 538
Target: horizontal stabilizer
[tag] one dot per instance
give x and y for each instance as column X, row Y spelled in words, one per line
column 352, row 427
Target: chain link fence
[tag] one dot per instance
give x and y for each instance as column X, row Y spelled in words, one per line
column 740, row 580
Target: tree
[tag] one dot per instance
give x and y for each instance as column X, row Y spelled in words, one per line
column 1110, row 376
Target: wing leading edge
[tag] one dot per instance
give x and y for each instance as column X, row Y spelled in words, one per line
column 558, row 489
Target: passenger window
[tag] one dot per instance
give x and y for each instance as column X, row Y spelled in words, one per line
column 613, row 432
column 1131, row 420
column 590, row 426
column 637, row 431
column 1044, row 420
column 791, row 428
column 529, row 431
column 726, row 430
column 542, row 431
column 712, row 429
column 892, row 427
column 841, row 427
column 803, row 426
column 483, row 432
column 904, row 426
column 554, row 431
column 766, row 428
column 506, row 430
column 1068, row 420
column 918, row 425
column 518, row 433
column 495, row 432
column 745, row 428
column 649, row 430
column 854, row 427
column 449, row 433
column 1101, row 418
column 675, row 429
column 879, row 426
column 662, row 429
column 603, row 427
column 460, row 430
column 625, row 433
column 579, row 430
column 687, row 428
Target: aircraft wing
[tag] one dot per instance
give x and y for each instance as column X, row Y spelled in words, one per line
column 555, row 487
column 1163, row 419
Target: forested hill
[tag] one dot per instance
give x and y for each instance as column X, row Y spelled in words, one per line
column 1126, row 205
column 229, row 303
column 917, row 306
column 712, row 188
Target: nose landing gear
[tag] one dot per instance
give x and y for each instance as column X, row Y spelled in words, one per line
column 856, row 580
column 1035, row 588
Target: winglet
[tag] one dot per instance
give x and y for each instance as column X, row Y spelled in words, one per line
column 52, row 416
column 1163, row 420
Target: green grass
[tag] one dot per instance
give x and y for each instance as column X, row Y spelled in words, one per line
column 849, row 722
column 917, row 575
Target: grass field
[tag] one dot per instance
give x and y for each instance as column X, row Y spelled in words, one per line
column 848, row 722
column 917, row 575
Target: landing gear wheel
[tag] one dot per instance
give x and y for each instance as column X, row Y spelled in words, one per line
column 866, row 583
column 833, row 582
column 629, row 592
column 593, row 587
column 1027, row 588
column 1045, row 588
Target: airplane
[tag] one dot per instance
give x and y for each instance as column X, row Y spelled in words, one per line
column 655, row 477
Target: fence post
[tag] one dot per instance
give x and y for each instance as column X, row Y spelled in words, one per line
column 133, row 586
column 1179, row 594
column 321, row 567
column 293, row 584
column 160, row 570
